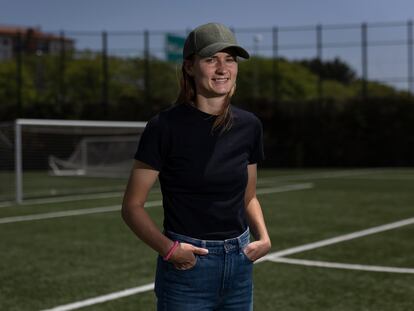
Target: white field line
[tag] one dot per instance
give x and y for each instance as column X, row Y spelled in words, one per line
column 104, row 298
column 87, row 211
column 284, row 188
column 341, row 238
column 382, row 177
column 270, row 257
column 337, row 265
column 263, row 180
column 321, row 175
column 69, row 198
column 77, row 212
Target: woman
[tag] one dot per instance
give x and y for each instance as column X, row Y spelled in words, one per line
column 204, row 152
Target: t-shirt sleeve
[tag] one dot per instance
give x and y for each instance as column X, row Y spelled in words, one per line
column 150, row 144
column 257, row 152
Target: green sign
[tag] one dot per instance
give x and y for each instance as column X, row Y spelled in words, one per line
column 174, row 48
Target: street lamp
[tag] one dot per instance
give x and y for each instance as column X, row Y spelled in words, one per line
column 257, row 38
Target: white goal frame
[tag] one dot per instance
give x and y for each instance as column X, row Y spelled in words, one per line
column 54, row 122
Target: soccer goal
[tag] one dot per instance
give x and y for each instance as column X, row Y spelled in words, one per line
column 65, row 157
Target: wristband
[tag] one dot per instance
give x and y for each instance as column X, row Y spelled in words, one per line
column 171, row 251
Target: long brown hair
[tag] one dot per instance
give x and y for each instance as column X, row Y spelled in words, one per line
column 188, row 94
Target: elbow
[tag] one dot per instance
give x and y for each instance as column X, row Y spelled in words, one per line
column 124, row 212
column 128, row 209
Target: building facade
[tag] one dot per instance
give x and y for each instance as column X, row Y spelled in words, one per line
column 31, row 41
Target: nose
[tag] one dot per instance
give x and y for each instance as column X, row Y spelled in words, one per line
column 221, row 67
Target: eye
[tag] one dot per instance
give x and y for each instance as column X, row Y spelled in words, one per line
column 209, row 60
column 231, row 59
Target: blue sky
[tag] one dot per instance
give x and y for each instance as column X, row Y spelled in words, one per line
column 182, row 14
column 128, row 15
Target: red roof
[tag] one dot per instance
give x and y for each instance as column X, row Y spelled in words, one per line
column 10, row 31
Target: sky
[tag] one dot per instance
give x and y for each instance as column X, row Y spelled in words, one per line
column 54, row 15
column 182, row 15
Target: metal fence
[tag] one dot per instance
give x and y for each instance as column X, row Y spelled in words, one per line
column 381, row 52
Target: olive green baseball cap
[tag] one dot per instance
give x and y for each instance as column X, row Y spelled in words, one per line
column 208, row 39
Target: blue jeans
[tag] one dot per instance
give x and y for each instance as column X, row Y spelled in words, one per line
column 220, row 280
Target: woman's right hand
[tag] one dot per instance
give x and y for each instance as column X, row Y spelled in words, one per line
column 184, row 258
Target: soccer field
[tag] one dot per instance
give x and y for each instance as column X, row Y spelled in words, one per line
column 341, row 240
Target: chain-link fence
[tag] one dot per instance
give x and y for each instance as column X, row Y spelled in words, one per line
column 101, row 69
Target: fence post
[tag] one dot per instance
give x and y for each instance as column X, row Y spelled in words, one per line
column 146, row 65
column 19, row 65
column 319, row 58
column 105, row 73
column 364, row 58
column 62, row 68
column 410, row 56
column 275, row 63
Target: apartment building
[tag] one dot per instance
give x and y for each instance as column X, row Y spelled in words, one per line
column 32, row 40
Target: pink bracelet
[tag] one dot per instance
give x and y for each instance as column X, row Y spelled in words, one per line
column 171, row 251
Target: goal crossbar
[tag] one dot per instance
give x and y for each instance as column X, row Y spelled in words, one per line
column 83, row 123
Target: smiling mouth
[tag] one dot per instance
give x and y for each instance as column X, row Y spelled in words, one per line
column 221, row 79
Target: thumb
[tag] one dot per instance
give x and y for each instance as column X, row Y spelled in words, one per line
column 200, row 251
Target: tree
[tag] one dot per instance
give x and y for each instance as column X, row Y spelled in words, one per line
column 331, row 70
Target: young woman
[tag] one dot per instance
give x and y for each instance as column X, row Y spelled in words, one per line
column 204, row 152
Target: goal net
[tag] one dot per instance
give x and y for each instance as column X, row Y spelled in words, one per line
column 96, row 156
column 63, row 157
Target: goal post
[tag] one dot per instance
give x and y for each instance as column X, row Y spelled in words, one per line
column 72, row 157
column 7, row 160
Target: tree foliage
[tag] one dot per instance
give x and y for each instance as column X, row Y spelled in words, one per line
column 137, row 89
column 330, row 70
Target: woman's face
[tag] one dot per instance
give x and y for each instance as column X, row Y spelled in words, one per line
column 214, row 76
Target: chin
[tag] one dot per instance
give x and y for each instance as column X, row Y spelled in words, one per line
column 221, row 91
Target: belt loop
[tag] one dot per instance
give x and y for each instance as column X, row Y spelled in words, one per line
column 240, row 242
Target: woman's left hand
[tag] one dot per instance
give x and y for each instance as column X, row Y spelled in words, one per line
column 257, row 249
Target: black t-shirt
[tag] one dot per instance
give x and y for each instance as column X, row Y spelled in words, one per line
column 203, row 174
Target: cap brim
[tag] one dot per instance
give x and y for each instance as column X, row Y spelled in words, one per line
column 220, row 46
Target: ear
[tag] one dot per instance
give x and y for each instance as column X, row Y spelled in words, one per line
column 188, row 67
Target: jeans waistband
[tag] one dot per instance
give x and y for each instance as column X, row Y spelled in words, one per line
column 236, row 243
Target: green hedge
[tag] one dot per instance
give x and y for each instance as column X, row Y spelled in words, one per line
column 359, row 132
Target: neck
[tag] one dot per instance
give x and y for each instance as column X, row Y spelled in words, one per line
column 213, row 105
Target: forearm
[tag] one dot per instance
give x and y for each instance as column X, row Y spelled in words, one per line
column 256, row 220
column 145, row 229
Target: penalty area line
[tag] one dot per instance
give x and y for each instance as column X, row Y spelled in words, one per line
column 338, row 265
